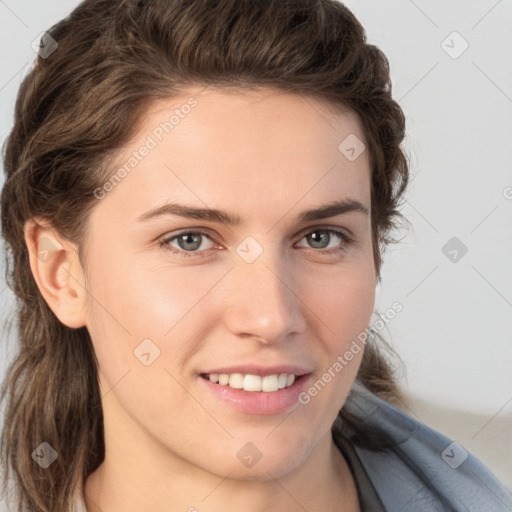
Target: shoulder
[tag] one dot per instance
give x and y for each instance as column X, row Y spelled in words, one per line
column 421, row 469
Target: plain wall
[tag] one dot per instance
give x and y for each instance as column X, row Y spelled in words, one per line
column 455, row 330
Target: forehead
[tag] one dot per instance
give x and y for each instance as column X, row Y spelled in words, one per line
column 267, row 115
column 240, row 149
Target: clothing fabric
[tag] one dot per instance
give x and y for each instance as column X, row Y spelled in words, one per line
column 420, row 470
column 368, row 498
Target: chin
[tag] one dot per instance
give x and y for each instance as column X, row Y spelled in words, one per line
column 262, row 460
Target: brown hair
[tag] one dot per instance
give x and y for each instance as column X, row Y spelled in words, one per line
column 84, row 101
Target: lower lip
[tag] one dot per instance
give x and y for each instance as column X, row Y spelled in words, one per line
column 258, row 402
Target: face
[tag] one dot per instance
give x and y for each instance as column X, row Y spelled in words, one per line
column 237, row 280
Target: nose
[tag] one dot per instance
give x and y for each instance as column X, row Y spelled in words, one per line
column 264, row 300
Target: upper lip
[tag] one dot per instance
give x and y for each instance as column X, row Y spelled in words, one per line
column 254, row 369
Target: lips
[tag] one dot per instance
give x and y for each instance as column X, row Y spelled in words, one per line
column 255, row 377
column 255, row 402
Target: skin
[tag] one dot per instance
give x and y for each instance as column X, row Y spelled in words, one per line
column 265, row 156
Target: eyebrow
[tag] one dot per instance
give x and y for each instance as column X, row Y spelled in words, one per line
column 207, row 214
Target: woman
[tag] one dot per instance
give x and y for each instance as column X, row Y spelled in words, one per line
column 197, row 199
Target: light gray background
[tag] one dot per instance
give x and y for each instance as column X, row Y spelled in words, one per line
column 454, row 332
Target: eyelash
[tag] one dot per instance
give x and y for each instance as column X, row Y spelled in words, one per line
column 345, row 240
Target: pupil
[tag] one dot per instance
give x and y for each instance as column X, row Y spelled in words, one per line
column 322, row 239
column 195, row 240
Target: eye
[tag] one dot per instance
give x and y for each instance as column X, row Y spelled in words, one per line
column 188, row 242
column 332, row 239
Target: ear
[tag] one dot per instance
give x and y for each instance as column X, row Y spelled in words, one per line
column 57, row 271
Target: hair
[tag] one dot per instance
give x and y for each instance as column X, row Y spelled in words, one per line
column 83, row 102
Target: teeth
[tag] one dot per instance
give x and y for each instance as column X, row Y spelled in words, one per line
column 248, row 382
column 269, row 383
column 252, row 383
column 236, row 380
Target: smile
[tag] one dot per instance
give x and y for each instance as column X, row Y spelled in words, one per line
column 249, row 382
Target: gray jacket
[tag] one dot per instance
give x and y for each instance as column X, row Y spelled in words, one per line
column 421, row 471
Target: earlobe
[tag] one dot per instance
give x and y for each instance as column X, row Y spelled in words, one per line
column 57, row 272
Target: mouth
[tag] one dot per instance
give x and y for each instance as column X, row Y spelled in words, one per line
column 255, row 394
column 253, row 383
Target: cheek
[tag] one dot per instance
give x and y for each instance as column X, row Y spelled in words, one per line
column 157, row 302
column 344, row 303
column 141, row 297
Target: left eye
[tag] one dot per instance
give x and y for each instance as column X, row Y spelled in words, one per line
column 322, row 238
column 196, row 243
